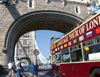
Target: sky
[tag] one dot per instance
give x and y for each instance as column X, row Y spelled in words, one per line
column 43, row 40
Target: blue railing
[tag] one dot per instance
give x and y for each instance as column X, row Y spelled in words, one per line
column 31, row 68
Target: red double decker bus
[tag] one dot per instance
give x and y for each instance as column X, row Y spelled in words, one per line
column 77, row 54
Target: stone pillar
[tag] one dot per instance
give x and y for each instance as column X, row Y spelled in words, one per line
column 5, row 57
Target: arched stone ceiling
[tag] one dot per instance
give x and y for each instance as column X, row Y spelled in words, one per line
column 39, row 20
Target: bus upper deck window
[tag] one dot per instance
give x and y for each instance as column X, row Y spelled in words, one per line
column 98, row 40
column 73, row 48
column 97, row 47
column 65, row 55
column 83, row 44
column 90, row 42
column 79, row 46
column 76, row 55
column 66, row 50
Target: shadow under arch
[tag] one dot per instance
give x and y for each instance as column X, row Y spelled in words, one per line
column 38, row 20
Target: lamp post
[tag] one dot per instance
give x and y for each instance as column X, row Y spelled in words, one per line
column 36, row 52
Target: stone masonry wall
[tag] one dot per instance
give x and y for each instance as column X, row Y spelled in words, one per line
column 8, row 13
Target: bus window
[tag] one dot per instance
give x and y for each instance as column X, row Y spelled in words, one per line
column 88, row 50
column 97, row 48
column 90, row 42
column 65, row 56
column 53, row 58
column 98, row 40
column 91, row 47
column 78, row 46
column 75, row 47
column 58, row 57
column 76, row 54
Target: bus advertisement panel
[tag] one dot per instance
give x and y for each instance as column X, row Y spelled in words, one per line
column 77, row 54
column 86, row 31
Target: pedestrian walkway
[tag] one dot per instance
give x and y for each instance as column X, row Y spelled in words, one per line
column 6, row 75
column 25, row 74
column 42, row 72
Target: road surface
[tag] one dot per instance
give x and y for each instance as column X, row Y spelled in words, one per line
column 45, row 72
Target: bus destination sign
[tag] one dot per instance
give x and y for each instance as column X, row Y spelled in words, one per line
column 86, row 31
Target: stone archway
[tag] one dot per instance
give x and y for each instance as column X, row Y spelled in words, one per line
column 38, row 20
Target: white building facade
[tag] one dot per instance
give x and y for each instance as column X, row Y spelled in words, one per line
column 26, row 46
